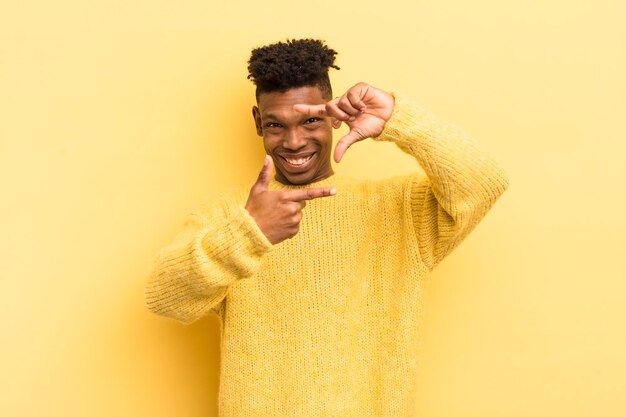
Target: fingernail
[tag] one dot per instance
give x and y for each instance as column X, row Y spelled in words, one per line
column 333, row 191
column 351, row 119
column 267, row 160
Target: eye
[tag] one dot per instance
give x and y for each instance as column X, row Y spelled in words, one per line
column 272, row 124
column 311, row 120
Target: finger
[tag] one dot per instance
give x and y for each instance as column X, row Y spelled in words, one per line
column 286, row 197
column 263, row 181
column 310, row 193
column 344, row 143
column 355, row 99
column 292, row 207
column 334, row 111
column 336, row 123
column 345, row 105
column 310, row 109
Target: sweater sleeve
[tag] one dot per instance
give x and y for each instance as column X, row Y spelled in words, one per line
column 216, row 246
column 461, row 184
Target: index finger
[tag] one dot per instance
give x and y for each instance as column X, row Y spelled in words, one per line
column 309, row 193
column 311, row 109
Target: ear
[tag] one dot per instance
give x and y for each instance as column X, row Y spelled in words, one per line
column 256, row 114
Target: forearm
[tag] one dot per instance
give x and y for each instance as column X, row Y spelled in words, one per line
column 462, row 181
column 190, row 277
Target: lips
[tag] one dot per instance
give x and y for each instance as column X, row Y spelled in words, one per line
column 298, row 162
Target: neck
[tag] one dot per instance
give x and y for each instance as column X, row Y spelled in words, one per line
column 320, row 177
column 330, row 180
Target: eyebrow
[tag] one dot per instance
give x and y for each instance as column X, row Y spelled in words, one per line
column 272, row 116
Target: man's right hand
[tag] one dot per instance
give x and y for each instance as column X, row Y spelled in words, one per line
column 278, row 213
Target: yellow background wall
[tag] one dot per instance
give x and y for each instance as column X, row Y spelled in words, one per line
column 117, row 117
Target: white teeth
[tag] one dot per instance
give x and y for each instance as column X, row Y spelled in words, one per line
column 299, row 161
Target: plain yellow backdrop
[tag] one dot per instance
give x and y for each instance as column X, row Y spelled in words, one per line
column 118, row 117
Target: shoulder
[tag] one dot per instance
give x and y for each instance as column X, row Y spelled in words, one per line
column 392, row 185
column 392, row 193
column 221, row 204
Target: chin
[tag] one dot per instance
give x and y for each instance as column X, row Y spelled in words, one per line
column 301, row 179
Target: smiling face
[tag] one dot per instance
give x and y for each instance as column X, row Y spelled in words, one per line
column 299, row 144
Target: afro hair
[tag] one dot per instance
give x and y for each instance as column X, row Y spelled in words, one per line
column 292, row 64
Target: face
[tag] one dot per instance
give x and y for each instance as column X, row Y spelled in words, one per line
column 299, row 144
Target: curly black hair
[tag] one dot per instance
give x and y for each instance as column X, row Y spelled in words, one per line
column 291, row 64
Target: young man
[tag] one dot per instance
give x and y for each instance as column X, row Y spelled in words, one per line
column 316, row 276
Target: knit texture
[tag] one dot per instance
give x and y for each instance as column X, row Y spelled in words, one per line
column 326, row 323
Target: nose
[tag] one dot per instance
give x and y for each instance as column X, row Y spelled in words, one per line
column 293, row 139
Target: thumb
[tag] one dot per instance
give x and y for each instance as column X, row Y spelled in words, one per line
column 263, row 181
column 345, row 142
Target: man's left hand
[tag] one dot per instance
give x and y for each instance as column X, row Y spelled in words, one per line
column 365, row 109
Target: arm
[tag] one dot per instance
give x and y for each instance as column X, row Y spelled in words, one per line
column 462, row 182
column 221, row 244
column 216, row 247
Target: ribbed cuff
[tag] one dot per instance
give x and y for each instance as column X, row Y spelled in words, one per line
column 238, row 250
column 406, row 116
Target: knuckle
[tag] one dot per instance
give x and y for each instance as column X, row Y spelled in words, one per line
column 344, row 108
column 292, row 231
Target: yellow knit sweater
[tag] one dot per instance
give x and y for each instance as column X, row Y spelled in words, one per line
column 325, row 323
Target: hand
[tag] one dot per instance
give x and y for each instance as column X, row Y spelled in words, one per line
column 365, row 110
column 278, row 213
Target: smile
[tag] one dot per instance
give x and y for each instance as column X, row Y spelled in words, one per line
column 297, row 162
